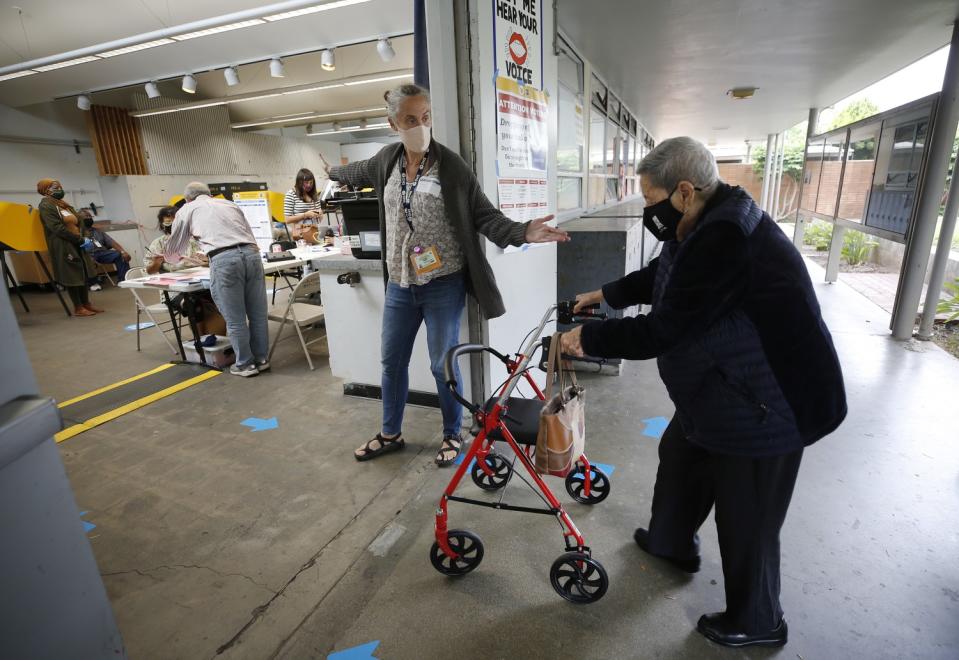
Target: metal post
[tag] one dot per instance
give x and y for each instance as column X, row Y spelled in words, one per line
column 927, row 213
column 835, row 253
column 779, row 174
column 766, row 170
column 800, row 230
column 938, row 273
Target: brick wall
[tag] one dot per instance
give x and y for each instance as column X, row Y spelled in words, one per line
column 742, row 174
column 856, row 186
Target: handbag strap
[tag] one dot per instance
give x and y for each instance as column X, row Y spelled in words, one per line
column 551, row 363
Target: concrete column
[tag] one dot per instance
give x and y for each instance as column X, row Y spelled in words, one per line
column 941, row 260
column 766, row 170
column 440, row 47
column 778, row 178
column 924, row 226
column 800, row 229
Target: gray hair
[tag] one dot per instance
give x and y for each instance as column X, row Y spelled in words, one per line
column 398, row 94
column 680, row 159
column 194, row 189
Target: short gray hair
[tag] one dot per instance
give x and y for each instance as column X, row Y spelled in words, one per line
column 398, row 94
column 680, row 159
column 194, row 189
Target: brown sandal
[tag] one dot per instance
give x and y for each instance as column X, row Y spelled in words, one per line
column 383, row 446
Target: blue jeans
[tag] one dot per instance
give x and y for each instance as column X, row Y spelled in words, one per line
column 237, row 285
column 440, row 303
column 113, row 257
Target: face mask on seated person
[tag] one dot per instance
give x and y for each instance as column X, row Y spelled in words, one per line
column 662, row 218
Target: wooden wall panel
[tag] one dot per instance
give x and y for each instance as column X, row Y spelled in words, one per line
column 116, row 141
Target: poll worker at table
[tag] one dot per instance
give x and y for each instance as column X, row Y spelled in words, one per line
column 69, row 251
column 153, row 259
column 749, row 364
column 106, row 250
column 236, row 271
column 432, row 212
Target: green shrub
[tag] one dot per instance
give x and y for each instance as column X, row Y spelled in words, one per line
column 950, row 306
column 856, row 247
column 818, row 234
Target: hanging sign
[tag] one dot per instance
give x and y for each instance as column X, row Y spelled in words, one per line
column 518, row 40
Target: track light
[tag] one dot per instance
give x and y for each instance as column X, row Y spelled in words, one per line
column 83, row 102
column 385, row 49
column 189, row 84
column 152, row 90
column 328, row 60
column 231, row 75
column 276, row 68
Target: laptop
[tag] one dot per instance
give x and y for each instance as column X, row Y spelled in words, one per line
column 361, row 222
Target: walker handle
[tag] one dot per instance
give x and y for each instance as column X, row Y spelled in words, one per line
column 450, row 373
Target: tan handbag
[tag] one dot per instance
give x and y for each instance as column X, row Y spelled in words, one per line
column 562, row 422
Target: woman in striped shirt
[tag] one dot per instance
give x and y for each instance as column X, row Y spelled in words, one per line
column 302, row 203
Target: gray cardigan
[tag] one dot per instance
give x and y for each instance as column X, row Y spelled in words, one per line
column 467, row 208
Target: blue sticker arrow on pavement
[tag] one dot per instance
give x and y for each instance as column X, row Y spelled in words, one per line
column 259, row 424
column 655, row 427
column 459, row 460
column 87, row 526
column 143, row 325
column 606, row 468
column 362, row 652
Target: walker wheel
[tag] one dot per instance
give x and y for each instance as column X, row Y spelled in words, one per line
column 502, row 471
column 467, row 545
column 578, row 578
column 598, row 485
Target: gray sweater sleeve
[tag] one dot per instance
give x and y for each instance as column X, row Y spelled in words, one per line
column 491, row 222
column 358, row 174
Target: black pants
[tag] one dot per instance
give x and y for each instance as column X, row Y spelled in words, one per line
column 78, row 295
column 751, row 496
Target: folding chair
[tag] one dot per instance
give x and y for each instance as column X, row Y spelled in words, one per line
column 108, row 270
column 143, row 308
column 301, row 313
column 285, row 274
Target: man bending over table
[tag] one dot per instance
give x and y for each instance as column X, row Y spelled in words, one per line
column 236, row 271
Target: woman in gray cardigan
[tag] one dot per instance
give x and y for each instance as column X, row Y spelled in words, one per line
column 431, row 208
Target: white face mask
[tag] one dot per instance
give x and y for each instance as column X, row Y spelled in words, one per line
column 416, row 139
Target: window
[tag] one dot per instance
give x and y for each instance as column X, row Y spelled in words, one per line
column 571, row 132
column 858, row 177
column 833, row 155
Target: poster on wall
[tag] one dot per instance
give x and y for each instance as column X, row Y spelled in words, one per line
column 522, row 141
column 518, row 40
column 523, row 199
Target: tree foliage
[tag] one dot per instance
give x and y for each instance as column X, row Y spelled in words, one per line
column 858, row 109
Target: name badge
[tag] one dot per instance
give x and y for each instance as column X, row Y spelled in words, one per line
column 425, row 260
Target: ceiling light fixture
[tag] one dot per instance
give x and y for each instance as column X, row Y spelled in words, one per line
column 741, row 93
column 18, row 74
column 256, row 96
column 353, row 129
column 189, row 84
column 73, row 62
column 83, row 102
column 231, row 76
column 152, row 90
column 137, row 47
column 301, row 116
column 216, row 30
column 385, row 48
column 312, row 10
column 276, row 68
column 328, row 60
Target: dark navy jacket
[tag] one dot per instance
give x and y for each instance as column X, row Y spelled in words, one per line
column 735, row 325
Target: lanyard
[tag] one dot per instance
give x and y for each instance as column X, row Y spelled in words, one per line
column 408, row 198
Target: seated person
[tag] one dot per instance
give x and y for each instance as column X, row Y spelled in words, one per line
column 105, row 249
column 153, row 258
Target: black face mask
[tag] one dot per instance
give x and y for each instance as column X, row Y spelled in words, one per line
column 662, row 219
column 88, row 223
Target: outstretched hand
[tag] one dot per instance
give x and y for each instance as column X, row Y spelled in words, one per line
column 326, row 166
column 537, row 231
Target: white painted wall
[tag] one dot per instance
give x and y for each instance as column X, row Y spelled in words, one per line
column 360, row 151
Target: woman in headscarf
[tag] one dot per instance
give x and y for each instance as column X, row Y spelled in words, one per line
column 69, row 251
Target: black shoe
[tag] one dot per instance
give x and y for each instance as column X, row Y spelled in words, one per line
column 714, row 628
column 688, row 564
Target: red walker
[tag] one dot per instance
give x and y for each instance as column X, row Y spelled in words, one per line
column 575, row 575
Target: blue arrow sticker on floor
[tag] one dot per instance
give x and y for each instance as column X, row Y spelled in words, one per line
column 259, row 424
column 362, row 652
column 606, row 468
column 655, row 427
column 462, row 457
column 87, row 526
column 143, row 326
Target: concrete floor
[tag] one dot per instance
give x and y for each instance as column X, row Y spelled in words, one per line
column 215, row 541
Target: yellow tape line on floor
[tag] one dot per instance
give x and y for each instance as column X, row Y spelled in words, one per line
column 115, row 385
column 68, row 433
